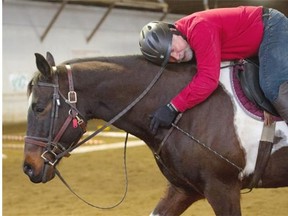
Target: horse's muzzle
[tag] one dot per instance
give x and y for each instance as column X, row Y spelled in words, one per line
column 43, row 176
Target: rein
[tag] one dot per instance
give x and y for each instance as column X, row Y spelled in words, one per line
column 207, row 147
column 126, row 182
column 123, row 112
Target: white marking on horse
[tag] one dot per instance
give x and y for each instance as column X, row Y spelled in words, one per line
column 152, row 214
column 30, row 99
column 249, row 129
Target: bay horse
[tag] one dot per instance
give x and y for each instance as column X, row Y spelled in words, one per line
column 63, row 98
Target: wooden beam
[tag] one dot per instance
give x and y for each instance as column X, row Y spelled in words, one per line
column 100, row 22
column 53, row 20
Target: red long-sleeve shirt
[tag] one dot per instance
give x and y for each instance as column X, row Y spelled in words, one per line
column 216, row 35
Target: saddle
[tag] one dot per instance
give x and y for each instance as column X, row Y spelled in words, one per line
column 247, row 73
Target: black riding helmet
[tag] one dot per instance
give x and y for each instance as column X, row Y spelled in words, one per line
column 155, row 41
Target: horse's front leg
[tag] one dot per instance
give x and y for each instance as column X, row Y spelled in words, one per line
column 224, row 197
column 175, row 202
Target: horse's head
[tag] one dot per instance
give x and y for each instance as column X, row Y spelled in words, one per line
column 54, row 122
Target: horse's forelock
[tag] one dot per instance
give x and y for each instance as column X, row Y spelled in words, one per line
column 38, row 77
column 35, row 79
column 29, row 88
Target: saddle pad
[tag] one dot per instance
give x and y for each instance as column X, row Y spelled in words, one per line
column 248, row 106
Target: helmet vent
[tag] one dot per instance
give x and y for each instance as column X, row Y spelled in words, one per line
column 143, row 34
column 151, row 45
column 155, row 37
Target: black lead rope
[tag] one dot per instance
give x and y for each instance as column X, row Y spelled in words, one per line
column 125, row 189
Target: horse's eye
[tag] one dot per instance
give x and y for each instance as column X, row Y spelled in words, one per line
column 36, row 108
column 39, row 109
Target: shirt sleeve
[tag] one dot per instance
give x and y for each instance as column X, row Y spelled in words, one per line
column 205, row 43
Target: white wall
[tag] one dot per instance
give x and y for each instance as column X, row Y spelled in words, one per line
column 24, row 23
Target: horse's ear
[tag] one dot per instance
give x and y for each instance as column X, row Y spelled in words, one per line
column 42, row 65
column 50, row 59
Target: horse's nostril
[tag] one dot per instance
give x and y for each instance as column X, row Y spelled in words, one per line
column 28, row 170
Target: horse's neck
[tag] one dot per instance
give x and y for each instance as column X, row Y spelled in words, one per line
column 106, row 93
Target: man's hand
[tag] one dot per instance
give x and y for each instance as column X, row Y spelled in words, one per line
column 163, row 117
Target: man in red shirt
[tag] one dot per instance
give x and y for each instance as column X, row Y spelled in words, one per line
column 213, row 36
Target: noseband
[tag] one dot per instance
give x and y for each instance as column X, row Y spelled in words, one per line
column 51, row 144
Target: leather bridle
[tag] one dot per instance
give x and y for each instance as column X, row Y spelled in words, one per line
column 52, row 146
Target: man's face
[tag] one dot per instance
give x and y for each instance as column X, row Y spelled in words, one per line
column 180, row 50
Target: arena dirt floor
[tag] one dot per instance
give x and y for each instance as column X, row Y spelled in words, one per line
column 98, row 177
